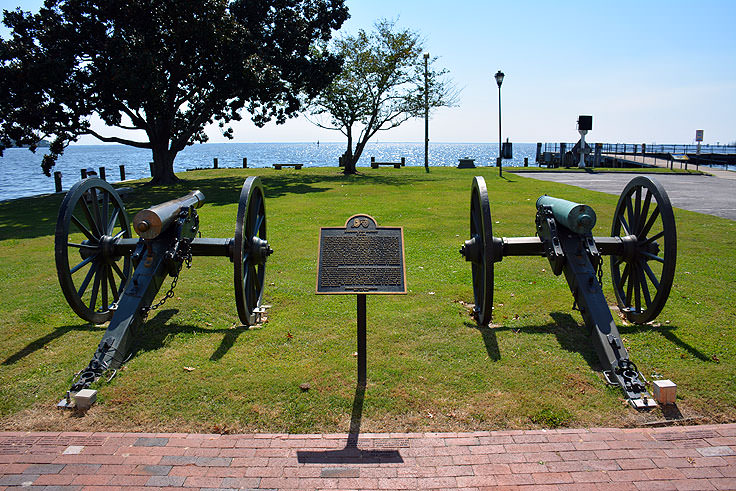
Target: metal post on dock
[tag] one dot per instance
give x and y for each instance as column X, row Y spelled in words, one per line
column 122, row 172
column 563, row 147
column 57, row 181
column 538, row 158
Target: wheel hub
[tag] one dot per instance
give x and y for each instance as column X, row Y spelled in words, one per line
column 471, row 250
column 259, row 250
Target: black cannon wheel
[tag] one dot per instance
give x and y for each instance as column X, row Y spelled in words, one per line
column 250, row 250
column 91, row 219
column 481, row 229
column 643, row 276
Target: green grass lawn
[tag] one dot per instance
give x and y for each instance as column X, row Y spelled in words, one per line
column 430, row 368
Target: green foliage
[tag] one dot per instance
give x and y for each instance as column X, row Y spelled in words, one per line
column 382, row 85
column 165, row 68
column 430, row 368
column 550, row 417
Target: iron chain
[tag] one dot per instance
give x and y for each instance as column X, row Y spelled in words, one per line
column 183, row 255
column 600, row 271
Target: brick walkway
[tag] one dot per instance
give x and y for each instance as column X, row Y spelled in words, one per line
column 695, row 457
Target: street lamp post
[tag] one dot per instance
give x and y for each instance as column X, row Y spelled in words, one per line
column 426, row 113
column 499, row 80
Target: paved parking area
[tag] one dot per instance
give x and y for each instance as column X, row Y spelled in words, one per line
column 694, row 457
column 703, row 194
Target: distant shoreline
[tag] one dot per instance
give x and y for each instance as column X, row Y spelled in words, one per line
column 42, row 144
column 321, row 142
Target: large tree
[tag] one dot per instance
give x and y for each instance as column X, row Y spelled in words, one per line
column 167, row 68
column 382, row 85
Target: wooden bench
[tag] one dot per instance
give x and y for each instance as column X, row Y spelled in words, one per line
column 374, row 164
column 279, row 166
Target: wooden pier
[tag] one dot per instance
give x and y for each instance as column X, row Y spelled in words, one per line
column 673, row 157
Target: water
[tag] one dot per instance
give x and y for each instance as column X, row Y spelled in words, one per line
column 21, row 175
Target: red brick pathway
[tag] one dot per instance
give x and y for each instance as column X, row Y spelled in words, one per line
column 695, row 457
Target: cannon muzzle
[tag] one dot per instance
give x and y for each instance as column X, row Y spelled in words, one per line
column 576, row 217
column 149, row 223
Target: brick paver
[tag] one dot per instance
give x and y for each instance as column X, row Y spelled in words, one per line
column 695, row 457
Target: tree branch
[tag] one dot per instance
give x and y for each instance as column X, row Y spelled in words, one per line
column 115, row 139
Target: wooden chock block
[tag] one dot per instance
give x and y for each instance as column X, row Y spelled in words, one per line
column 85, row 398
column 664, row 391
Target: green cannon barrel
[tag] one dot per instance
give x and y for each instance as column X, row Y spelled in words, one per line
column 576, row 217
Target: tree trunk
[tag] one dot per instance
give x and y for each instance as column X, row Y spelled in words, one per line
column 350, row 160
column 163, row 165
column 359, row 150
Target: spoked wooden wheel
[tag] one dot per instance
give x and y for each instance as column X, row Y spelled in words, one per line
column 92, row 277
column 643, row 276
column 479, row 251
column 250, row 251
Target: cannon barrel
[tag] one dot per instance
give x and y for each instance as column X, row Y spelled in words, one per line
column 149, row 223
column 576, row 217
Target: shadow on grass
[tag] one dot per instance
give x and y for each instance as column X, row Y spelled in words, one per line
column 228, row 340
column 156, row 331
column 668, row 333
column 489, row 340
column 38, row 344
column 570, row 336
column 225, row 190
column 149, row 337
column 671, row 412
column 574, row 338
column 351, row 454
column 26, row 218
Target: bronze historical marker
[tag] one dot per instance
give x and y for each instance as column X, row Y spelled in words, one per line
column 361, row 258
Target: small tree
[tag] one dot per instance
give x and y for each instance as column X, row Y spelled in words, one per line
column 382, row 84
column 166, row 68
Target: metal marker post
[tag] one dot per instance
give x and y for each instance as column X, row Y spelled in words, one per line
column 426, row 114
column 362, row 376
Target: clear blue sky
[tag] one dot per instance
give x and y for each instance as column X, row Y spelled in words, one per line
column 652, row 71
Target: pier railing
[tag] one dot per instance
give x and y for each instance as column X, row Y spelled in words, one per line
column 639, row 148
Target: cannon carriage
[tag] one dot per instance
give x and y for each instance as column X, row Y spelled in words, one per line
column 107, row 274
column 642, row 249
